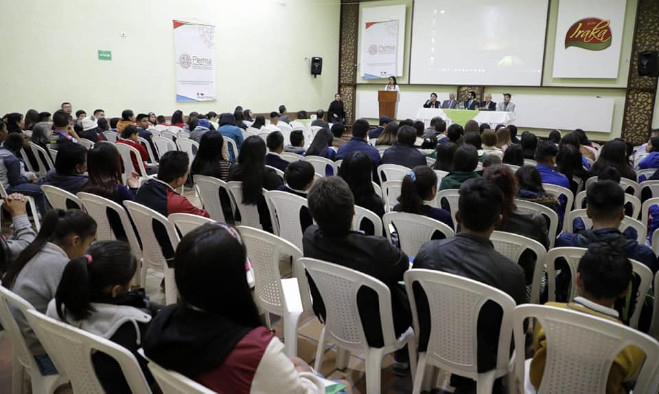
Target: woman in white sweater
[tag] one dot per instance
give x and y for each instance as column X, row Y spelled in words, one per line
column 215, row 335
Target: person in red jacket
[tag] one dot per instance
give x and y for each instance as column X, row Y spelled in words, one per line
column 130, row 137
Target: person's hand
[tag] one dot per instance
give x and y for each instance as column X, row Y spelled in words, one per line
column 33, row 178
column 133, row 180
column 15, row 204
column 300, row 365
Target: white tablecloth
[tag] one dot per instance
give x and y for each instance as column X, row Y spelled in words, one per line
column 490, row 117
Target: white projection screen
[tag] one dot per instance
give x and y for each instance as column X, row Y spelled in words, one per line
column 479, row 42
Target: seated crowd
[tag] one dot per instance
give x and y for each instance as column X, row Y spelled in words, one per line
column 215, row 334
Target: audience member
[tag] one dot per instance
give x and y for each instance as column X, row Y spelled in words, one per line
column 643, row 150
column 298, row 178
column 130, row 137
column 284, row 115
column 229, row 129
column 555, row 136
column 31, row 118
column 573, row 140
column 465, row 162
column 297, row 142
column 14, row 122
column 93, row 295
column 419, row 127
column 275, row 143
column 454, row 133
column 259, row 122
column 545, row 156
column 403, row 151
column 568, row 163
column 239, row 117
column 388, row 136
column 143, row 126
column 91, row 131
column 489, row 140
column 417, row 193
column 35, row 274
column 584, row 145
column 603, row 276
column 614, row 154
column 212, row 341
column 356, row 170
column 70, row 169
column 470, row 254
column 652, row 158
column 104, row 175
column 529, row 144
column 514, row 155
column 62, row 132
column 437, row 127
column 320, row 120
column 471, row 126
column 375, row 133
column 358, row 143
column 332, row 206
column 445, row 156
column 274, row 120
column 337, row 130
column 503, row 138
column 531, row 189
column 321, row 145
column 209, row 160
column 127, row 119
column 490, row 161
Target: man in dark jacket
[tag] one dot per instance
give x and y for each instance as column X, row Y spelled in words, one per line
column 403, row 151
column 332, row 206
column 358, row 143
column 471, row 254
column 70, row 165
column 336, row 113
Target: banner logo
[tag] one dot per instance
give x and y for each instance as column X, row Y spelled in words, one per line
column 185, row 61
column 592, row 34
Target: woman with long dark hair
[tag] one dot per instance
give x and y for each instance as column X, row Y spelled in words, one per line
column 215, row 331
column 177, row 119
column 209, row 160
column 259, row 122
column 35, row 274
column 322, row 145
column 14, row 122
column 614, row 154
column 392, row 84
column 514, row 155
column 356, row 170
column 104, row 171
column 389, row 134
column 445, row 154
column 569, row 163
column 255, row 177
column 530, row 188
column 418, row 191
column 31, row 118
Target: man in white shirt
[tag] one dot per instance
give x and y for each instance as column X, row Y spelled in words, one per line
column 506, row 105
column 274, row 120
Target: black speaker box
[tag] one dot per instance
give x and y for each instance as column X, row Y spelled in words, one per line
column 316, row 65
column 648, row 65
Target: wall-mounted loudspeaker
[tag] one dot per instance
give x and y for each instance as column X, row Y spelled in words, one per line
column 316, row 66
column 648, row 65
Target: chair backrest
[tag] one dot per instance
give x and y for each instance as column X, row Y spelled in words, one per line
column 60, row 198
column 265, row 251
column 580, row 200
column 390, row 193
column 291, row 157
column 645, row 209
column 98, row 208
column 624, row 184
column 572, row 256
column 163, row 145
column 558, row 191
column 285, row 209
column 643, row 175
column 454, row 304
column 430, row 161
column 71, row 349
column 253, row 130
column 186, row 222
column 127, row 152
column 53, row 154
column 440, row 175
column 43, row 159
column 188, row 146
column 568, row 224
column 546, row 212
column 171, row 382
column 249, row 214
column 26, row 160
column 512, row 167
column 264, row 135
column 452, row 196
column 530, row 162
column 152, row 254
column 231, row 144
column 392, row 172
column 413, row 230
column 512, row 246
column 654, row 324
column 168, row 134
column 279, row 172
column 581, row 349
column 377, row 189
column 652, row 185
column 147, row 146
column 321, row 164
column 111, row 136
column 208, row 188
column 362, row 214
column 86, row 143
column 338, row 287
column 8, row 302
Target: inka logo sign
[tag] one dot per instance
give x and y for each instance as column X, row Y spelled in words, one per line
column 592, row 34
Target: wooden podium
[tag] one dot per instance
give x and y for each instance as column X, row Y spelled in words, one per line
column 388, row 101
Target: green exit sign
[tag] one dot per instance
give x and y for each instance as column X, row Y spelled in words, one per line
column 104, row 55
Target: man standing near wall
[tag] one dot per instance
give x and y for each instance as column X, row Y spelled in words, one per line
column 336, row 112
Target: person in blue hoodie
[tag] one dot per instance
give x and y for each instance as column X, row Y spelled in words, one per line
column 652, row 159
column 229, row 129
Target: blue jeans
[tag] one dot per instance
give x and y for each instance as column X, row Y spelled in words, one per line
column 33, row 190
column 45, row 364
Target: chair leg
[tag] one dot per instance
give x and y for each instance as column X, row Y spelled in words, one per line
column 268, row 323
column 342, row 359
column 17, row 373
column 420, row 373
column 485, row 382
column 373, row 370
column 170, row 287
column 411, row 347
column 320, row 351
column 290, row 333
column 137, row 278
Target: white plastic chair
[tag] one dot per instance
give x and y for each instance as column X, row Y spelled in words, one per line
column 390, row 193
column 44, row 160
column 557, row 192
column 23, row 361
column 624, row 183
column 27, row 162
column 653, row 185
column 362, row 214
column 440, row 175
column 171, row 382
column 512, row 246
column 647, row 173
column 31, row 205
column 231, row 144
column 430, row 161
column 71, row 349
column 391, row 172
column 98, row 208
column 163, row 145
column 186, row 222
column 110, row 136
column 279, row 172
column 291, row 157
column 285, row 209
column 513, row 167
column 568, row 224
column 249, row 214
column 86, row 143
column 377, row 189
column 274, row 294
column 126, row 152
column 188, row 146
column 455, row 303
column 320, row 164
column 581, row 349
column 546, row 212
column 253, row 130
column 169, row 134
column 338, row 286
column 645, row 210
column 413, row 230
column 53, row 154
column 147, row 146
column 152, row 255
column 530, row 162
column 452, row 196
column 208, row 188
column 58, row 198
column 264, row 135
column 654, row 325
